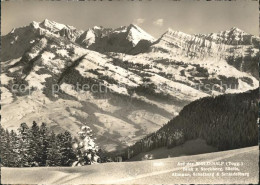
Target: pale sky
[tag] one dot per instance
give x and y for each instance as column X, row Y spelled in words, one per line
column 155, row 17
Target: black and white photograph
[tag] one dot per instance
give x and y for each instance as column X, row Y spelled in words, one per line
column 129, row 92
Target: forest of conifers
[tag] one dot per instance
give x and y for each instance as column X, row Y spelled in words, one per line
column 39, row 146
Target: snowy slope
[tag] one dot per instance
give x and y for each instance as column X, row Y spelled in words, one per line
column 158, row 171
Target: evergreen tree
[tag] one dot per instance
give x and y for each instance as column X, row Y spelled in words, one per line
column 3, row 145
column 44, row 141
column 23, row 136
column 34, row 145
column 14, row 149
column 65, row 143
column 7, row 150
column 86, row 149
column 53, row 152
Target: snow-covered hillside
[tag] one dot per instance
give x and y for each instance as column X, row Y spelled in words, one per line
column 143, row 91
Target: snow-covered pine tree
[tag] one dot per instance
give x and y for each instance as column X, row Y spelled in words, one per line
column 85, row 148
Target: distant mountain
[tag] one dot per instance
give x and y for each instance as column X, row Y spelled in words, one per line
column 19, row 40
column 226, row 122
column 63, row 30
column 122, row 40
column 126, row 39
column 148, row 81
column 234, row 46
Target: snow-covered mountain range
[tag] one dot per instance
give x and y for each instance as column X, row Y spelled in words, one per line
column 149, row 80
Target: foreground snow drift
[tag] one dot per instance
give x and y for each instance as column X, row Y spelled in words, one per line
column 143, row 172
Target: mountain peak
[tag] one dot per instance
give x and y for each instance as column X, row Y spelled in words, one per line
column 133, row 26
column 236, row 29
column 135, row 34
column 54, row 26
column 46, row 21
column 97, row 27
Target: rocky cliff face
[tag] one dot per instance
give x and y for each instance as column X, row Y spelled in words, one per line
column 234, row 46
